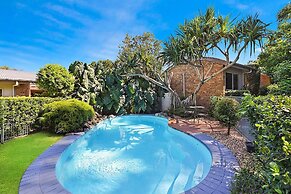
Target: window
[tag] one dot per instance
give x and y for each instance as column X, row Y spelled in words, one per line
column 235, row 81
column 1, row 92
column 231, row 81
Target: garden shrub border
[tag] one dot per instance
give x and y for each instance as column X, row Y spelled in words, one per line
column 271, row 117
column 18, row 114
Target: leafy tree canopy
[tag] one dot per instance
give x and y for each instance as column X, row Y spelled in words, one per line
column 6, row 67
column 55, row 80
column 140, row 54
column 275, row 59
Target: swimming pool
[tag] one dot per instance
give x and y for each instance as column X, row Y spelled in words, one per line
column 133, row 154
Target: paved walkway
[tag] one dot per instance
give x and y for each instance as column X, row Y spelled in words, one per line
column 40, row 177
column 224, row 166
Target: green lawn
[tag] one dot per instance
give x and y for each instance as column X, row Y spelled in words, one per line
column 17, row 154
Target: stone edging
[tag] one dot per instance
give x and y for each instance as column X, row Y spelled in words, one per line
column 224, row 166
column 40, row 175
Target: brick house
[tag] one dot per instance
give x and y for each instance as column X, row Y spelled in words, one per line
column 184, row 79
column 17, row 83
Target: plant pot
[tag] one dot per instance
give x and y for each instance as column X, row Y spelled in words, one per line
column 250, row 146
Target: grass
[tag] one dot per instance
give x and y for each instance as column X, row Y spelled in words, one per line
column 16, row 155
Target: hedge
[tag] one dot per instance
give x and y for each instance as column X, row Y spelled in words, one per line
column 271, row 117
column 65, row 116
column 236, row 92
column 20, row 112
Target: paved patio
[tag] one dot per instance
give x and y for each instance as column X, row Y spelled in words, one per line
column 40, row 176
column 201, row 125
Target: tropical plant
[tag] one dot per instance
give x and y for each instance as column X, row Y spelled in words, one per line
column 110, row 100
column 55, row 80
column 140, row 96
column 87, row 84
column 208, row 33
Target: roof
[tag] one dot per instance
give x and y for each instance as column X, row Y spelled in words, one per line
column 217, row 60
column 14, row 75
column 241, row 66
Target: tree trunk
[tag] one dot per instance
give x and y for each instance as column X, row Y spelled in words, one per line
column 228, row 130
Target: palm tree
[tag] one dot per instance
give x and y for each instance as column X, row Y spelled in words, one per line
column 284, row 13
column 196, row 38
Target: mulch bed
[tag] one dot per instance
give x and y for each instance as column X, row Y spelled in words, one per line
column 236, row 143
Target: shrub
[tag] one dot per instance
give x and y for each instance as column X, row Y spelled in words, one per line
column 246, row 182
column 55, row 80
column 263, row 91
column 273, row 89
column 213, row 101
column 179, row 111
column 18, row 113
column 226, row 110
column 236, row 92
column 65, row 116
column 271, row 117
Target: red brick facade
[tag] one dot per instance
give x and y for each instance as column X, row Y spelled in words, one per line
column 214, row 87
column 23, row 89
column 265, row 80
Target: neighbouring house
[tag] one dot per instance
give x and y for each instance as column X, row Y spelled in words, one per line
column 17, row 83
column 184, row 79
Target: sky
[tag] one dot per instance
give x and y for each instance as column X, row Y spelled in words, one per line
column 38, row 32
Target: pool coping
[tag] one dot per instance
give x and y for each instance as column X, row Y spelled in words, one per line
column 40, row 175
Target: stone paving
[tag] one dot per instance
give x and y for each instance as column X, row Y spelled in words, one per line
column 40, row 176
column 224, row 166
column 201, row 125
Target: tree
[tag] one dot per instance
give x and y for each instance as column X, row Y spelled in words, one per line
column 6, row 67
column 226, row 110
column 207, row 33
column 275, row 59
column 55, row 80
column 139, row 63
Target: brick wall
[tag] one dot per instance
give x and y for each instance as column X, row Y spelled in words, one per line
column 23, row 89
column 265, row 80
column 214, row 87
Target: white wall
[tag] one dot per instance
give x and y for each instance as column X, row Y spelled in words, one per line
column 7, row 88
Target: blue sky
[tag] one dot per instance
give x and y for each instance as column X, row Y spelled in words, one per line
column 35, row 33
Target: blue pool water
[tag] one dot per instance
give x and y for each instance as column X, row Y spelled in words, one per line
column 133, row 154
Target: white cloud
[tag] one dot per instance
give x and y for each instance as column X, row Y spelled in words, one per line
column 236, row 4
column 244, row 7
column 71, row 30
